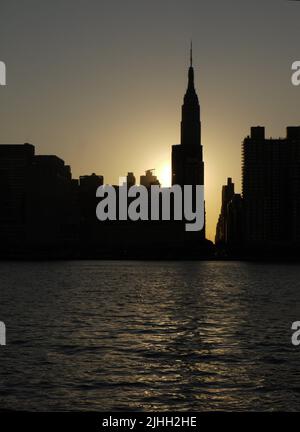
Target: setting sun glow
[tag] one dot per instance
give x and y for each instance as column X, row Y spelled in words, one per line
column 164, row 175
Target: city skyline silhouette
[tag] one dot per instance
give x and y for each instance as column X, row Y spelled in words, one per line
column 47, row 213
column 150, row 212
column 119, row 86
column 241, row 229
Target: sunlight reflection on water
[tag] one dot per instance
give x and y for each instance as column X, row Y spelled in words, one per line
column 149, row 336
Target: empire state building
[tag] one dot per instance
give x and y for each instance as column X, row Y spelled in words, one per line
column 187, row 158
column 187, row 162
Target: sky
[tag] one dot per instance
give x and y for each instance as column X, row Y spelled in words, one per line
column 101, row 83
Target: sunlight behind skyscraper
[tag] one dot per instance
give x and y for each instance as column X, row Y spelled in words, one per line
column 164, row 175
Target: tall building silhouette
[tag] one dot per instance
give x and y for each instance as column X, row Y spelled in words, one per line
column 15, row 160
column 38, row 214
column 229, row 230
column 227, row 195
column 187, row 161
column 187, row 157
column 271, row 188
column 52, row 220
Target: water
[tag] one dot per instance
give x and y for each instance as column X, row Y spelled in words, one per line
column 149, row 336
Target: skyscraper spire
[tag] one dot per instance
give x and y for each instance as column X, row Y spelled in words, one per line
column 191, row 70
column 190, row 125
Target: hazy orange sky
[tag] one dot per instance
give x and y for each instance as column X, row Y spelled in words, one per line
column 101, row 83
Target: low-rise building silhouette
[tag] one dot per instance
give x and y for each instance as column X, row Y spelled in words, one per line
column 149, row 179
column 87, row 187
column 130, row 179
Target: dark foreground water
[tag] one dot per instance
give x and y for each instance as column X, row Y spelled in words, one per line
column 149, row 336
